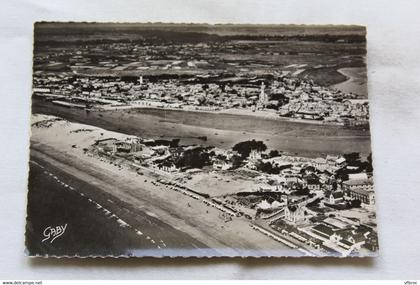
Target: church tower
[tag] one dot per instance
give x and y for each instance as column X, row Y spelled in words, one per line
column 263, row 96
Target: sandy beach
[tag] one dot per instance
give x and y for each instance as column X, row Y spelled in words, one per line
column 61, row 147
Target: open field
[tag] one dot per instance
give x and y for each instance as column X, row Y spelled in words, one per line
column 214, row 184
column 255, row 50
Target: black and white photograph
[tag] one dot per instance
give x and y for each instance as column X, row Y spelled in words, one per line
column 200, row 140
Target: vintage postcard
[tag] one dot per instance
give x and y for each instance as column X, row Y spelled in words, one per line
column 200, row 140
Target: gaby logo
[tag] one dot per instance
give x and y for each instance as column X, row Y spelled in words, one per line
column 52, row 233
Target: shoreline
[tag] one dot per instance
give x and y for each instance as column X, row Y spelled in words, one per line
column 198, row 220
column 153, row 242
column 220, row 130
column 261, row 114
column 234, row 112
column 354, row 83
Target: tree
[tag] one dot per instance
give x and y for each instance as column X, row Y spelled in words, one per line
column 353, row 158
column 245, row 148
column 174, row 143
column 309, row 169
column 236, row 161
column 368, row 163
column 343, row 173
column 274, row 153
column 302, row 192
column 273, row 104
column 356, row 203
column 267, row 167
column 282, row 100
column 194, row 158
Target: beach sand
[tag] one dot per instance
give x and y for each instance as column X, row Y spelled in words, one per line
column 54, row 145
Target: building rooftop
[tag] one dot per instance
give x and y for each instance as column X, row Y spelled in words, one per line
column 358, row 182
column 358, row 176
column 323, row 229
column 361, row 191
